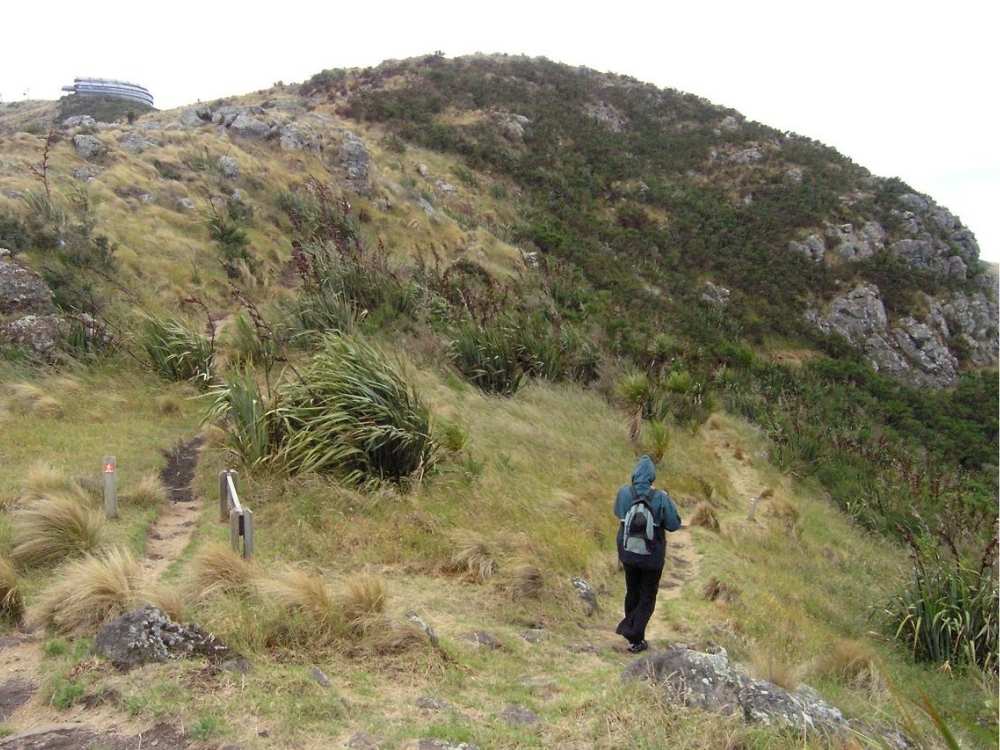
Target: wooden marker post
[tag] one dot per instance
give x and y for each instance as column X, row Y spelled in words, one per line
column 110, row 487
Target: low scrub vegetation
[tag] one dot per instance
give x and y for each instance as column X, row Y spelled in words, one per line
column 948, row 614
column 349, row 412
column 176, row 352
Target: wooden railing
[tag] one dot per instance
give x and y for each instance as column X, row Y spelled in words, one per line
column 240, row 518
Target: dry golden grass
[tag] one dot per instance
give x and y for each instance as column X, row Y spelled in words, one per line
column 30, row 399
column 704, row 515
column 524, row 581
column 852, row 663
column 168, row 404
column 716, row 590
column 170, row 600
column 11, row 602
column 50, row 528
column 148, row 491
column 767, row 665
column 308, row 596
column 362, row 604
column 473, row 558
column 43, row 477
column 89, row 592
column 217, row 568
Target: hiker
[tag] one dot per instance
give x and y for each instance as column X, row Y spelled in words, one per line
column 645, row 515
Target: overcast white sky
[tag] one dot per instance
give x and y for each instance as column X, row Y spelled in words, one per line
column 905, row 88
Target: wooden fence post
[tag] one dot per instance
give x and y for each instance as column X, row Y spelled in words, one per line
column 110, row 487
column 234, row 530
column 223, row 496
column 247, row 533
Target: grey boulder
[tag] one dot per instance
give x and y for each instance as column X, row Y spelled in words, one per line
column 89, row 146
column 147, row 635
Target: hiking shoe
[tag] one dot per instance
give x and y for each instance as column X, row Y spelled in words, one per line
column 636, row 648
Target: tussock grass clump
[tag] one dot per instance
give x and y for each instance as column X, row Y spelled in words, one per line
column 148, row 491
column 349, row 413
column 11, row 602
column 30, row 399
column 704, row 515
column 218, row 568
column 176, row 352
column 315, row 614
column 473, row 557
column 851, row 663
column 311, row 600
column 657, row 440
column 362, row 604
column 525, row 581
column 168, row 405
column 89, row 592
column 716, row 590
column 353, row 414
column 171, row 600
column 54, row 526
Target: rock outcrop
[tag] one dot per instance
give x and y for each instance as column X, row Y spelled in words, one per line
column 356, row 162
column 911, row 350
column 89, row 147
column 147, row 635
column 27, row 316
column 710, row 681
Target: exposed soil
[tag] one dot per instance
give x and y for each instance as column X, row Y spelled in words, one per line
column 14, row 693
column 172, row 530
column 74, row 737
column 178, row 474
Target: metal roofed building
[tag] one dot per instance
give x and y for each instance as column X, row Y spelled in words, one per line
column 114, row 89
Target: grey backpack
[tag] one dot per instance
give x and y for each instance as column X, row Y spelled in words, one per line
column 638, row 528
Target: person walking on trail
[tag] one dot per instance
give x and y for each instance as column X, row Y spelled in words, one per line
column 645, row 515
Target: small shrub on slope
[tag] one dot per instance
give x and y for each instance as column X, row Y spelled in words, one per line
column 948, row 613
column 488, row 357
column 176, row 352
column 240, row 403
column 54, row 526
column 353, row 414
column 89, row 592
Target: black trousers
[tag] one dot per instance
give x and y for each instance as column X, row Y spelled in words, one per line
column 641, row 587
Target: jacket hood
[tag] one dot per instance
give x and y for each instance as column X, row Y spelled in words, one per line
column 643, row 475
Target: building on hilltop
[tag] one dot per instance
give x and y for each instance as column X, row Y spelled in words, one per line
column 112, row 89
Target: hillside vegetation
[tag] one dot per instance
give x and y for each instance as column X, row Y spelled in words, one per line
column 432, row 311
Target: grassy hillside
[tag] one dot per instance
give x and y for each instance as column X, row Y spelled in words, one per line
column 432, row 312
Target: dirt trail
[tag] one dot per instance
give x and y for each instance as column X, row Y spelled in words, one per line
column 86, row 725
column 172, row 530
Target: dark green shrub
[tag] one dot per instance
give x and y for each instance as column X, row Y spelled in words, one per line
column 949, row 613
column 353, row 414
column 488, row 356
column 176, row 352
column 13, row 234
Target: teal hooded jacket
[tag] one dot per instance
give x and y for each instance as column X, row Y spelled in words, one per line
column 665, row 514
